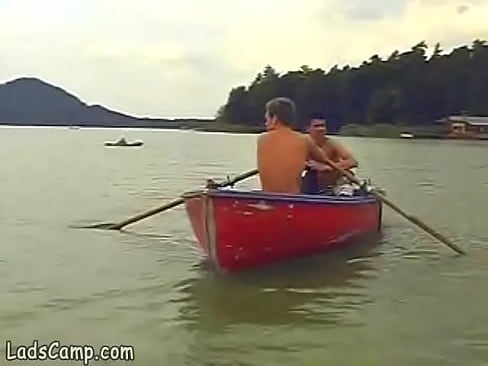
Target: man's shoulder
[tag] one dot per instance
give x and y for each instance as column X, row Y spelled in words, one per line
column 282, row 134
column 264, row 135
column 332, row 142
column 301, row 138
column 337, row 146
column 307, row 138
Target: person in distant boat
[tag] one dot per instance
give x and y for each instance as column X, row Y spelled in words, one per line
column 320, row 177
column 282, row 153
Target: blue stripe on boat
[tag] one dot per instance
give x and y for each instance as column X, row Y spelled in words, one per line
column 302, row 198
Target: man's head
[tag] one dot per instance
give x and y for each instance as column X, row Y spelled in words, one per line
column 317, row 126
column 280, row 111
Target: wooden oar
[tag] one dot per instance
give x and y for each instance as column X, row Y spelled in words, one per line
column 412, row 219
column 167, row 206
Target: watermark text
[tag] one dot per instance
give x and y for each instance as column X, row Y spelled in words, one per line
column 57, row 351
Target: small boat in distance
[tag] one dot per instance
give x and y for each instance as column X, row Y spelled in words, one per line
column 123, row 142
column 406, row 135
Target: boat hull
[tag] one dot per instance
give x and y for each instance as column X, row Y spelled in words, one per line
column 129, row 144
column 238, row 230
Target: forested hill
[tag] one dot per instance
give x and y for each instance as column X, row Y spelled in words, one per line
column 31, row 101
column 414, row 87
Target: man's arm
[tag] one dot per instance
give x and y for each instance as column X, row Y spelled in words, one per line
column 318, row 157
column 347, row 160
column 315, row 153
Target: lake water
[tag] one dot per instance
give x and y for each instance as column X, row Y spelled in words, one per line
column 403, row 299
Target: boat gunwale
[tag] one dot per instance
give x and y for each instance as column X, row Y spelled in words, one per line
column 271, row 196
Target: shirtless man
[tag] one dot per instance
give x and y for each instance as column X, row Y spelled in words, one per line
column 320, row 176
column 282, row 153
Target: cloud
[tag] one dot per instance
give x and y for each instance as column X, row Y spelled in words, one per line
column 169, row 58
column 374, row 9
column 408, row 23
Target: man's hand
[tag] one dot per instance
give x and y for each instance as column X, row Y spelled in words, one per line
column 312, row 164
column 346, row 160
column 347, row 164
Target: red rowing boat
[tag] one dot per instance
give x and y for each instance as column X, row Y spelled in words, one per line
column 239, row 229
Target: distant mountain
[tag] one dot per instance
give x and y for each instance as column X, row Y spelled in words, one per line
column 31, row 101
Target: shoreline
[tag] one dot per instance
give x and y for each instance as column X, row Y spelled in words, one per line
column 367, row 131
column 203, row 126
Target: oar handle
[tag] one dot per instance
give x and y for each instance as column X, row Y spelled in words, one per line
column 410, row 218
column 237, row 179
column 177, row 202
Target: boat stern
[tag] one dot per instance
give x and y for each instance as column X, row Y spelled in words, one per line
column 200, row 210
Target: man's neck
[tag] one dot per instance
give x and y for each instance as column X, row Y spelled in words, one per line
column 320, row 139
column 281, row 128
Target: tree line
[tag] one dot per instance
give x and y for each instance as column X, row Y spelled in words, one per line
column 408, row 88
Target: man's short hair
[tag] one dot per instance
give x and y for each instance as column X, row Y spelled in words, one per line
column 307, row 120
column 284, row 109
column 315, row 115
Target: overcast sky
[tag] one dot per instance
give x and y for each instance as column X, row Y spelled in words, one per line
column 181, row 58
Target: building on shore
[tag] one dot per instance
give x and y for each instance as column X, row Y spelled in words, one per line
column 464, row 126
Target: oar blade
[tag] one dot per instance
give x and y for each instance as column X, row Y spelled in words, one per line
column 410, row 218
column 101, row 226
column 167, row 206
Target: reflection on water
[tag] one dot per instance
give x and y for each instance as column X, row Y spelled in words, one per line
column 320, row 289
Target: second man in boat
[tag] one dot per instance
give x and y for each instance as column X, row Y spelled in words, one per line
column 322, row 178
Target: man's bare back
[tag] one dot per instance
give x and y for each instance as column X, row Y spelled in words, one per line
column 282, row 155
